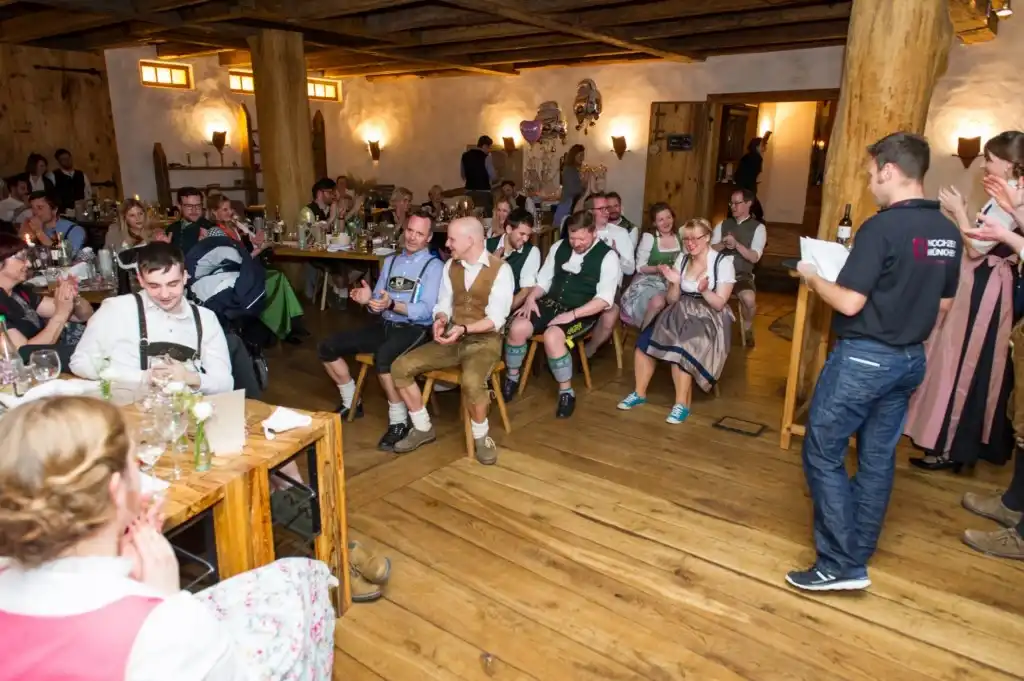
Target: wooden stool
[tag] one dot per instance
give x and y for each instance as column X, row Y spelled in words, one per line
column 739, row 316
column 365, row 361
column 454, row 375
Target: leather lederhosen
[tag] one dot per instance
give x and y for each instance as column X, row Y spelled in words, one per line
column 176, row 351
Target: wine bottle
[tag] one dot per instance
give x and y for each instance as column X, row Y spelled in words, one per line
column 844, row 235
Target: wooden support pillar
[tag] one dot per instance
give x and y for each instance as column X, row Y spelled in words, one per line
column 895, row 53
column 282, row 119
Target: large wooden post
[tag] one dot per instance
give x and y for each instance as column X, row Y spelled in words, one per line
column 282, row 118
column 895, row 53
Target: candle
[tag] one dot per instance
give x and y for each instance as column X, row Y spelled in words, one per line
column 136, row 197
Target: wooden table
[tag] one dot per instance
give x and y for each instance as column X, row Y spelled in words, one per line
column 94, row 296
column 374, row 261
column 237, row 489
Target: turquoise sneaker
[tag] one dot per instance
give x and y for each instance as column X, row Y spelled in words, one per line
column 678, row 414
column 631, row 400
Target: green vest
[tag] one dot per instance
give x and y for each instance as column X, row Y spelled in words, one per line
column 658, row 258
column 743, row 232
column 515, row 260
column 574, row 290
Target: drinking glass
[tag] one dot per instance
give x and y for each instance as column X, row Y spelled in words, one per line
column 174, row 418
column 159, row 362
column 45, row 365
column 23, row 376
column 149, row 442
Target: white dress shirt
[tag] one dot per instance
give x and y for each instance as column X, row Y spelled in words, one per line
column 14, row 211
column 756, row 244
column 726, row 272
column 499, row 303
column 618, row 238
column 528, row 274
column 607, row 285
column 113, row 332
column 646, row 247
column 181, row 639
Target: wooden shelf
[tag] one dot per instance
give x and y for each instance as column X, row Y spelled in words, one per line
column 170, row 167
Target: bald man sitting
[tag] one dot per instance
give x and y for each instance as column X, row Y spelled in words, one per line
column 473, row 303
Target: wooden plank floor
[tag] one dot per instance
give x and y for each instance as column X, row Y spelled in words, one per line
column 615, row 546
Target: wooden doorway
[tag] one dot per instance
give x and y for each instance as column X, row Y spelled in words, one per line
column 677, row 146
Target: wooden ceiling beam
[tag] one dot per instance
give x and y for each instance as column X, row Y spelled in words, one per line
column 32, row 26
column 518, row 57
column 741, row 20
column 322, row 9
column 558, row 25
column 778, row 35
column 782, row 47
column 180, row 50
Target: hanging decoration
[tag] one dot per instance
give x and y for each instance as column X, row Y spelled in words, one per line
column 531, row 130
column 587, row 105
column 553, row 125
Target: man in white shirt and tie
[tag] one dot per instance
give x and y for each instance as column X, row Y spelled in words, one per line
column 128, row 330
column 622, row 244
column 473, row 303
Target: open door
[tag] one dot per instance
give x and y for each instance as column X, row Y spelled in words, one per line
column 678, row 148
column 319, row 145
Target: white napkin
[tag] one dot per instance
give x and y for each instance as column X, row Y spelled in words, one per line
column 284, row 419
column 80, row 270
column 37, row 282
column 151, row 485
column 72, row 386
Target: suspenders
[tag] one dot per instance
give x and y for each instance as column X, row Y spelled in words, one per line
column 144, row 339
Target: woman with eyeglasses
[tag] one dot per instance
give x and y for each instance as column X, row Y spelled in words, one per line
column 90, row 588
column 38, row 322
column 693, row 331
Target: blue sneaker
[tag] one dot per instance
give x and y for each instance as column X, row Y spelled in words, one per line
column 678, row 414
column 631, row 400
column 816, row 579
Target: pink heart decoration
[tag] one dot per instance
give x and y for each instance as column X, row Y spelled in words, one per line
column 531, row 130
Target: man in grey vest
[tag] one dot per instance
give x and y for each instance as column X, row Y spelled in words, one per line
column 744, row 238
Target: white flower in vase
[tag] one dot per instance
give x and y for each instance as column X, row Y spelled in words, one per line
column 201, row 411
column 175, row 388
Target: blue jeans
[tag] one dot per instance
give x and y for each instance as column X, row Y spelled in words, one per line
column 864, row 388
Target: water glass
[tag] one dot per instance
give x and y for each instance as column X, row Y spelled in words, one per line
column 159, row 362
column 46, row 365
column 175, row 424
column 23, row 376
column 149, row 442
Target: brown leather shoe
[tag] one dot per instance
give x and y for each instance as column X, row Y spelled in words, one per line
column 992, row 507
column 371, row 567
column 486, row 451
column 362, row 590
column 414, row 440
column 1005, row 543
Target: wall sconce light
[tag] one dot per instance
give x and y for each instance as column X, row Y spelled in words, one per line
column 968, row 149
column 819, row 144
column 219, row 140
column 1005, row 11
column 510, row 144
column 374, row 149
column 619, row 146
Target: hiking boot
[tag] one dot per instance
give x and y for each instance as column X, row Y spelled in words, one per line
column 486, row 451
column 1005, row 543
column 371, row 567
column 395, row 432
column 509, row 389
column 991, row 507
column 414, row 440
column 362, row 590
column 566, row 405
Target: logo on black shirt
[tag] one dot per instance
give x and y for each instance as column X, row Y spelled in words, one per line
column 934, row 249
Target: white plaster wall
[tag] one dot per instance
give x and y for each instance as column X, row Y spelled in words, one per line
column 980, row 94
column 425, row 124
column 788, row 161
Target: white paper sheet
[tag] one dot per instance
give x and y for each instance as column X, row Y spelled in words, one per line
column 828, row 256
column 225, row 431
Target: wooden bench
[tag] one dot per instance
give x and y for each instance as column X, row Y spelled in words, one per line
column 450, row 375
column 580, row 343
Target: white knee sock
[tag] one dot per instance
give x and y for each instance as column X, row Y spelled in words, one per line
column 420, row 419
column 348, row 392
column 479, row 429
column 397, row 412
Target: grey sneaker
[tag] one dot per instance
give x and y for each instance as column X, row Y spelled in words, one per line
column 414, row 440
column 486, row 451
column 991, row 507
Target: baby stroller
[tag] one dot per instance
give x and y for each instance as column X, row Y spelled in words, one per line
column 224, row 278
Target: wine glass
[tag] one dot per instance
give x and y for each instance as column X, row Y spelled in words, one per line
column 158, row 379
column 149, row 442
column 45, row 365
column 174, row 418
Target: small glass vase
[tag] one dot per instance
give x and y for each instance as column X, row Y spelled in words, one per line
column 106, row 390
column 201, row 449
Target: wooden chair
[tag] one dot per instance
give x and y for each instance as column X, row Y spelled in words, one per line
column 580, row 344
column 454, row 375
column 739, row 316
column 365, row 361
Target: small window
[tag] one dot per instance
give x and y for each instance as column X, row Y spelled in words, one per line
column 241, row 82
column 323, row 90
column 165, row 74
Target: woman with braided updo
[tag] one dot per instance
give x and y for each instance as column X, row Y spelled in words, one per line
column 89, row 587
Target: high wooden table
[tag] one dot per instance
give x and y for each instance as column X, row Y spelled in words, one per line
column 237, row 489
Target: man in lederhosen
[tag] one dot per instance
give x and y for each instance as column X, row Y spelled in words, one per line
column 523, row 257
column 404, row 299
column 576, row 284
column 743, row 237
column 128, row 330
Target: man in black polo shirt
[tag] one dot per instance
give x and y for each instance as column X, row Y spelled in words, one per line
column 900, row 277
column 477, row 169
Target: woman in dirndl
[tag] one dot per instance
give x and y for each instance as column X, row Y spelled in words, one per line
column 645, row 296
column 693, row 332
